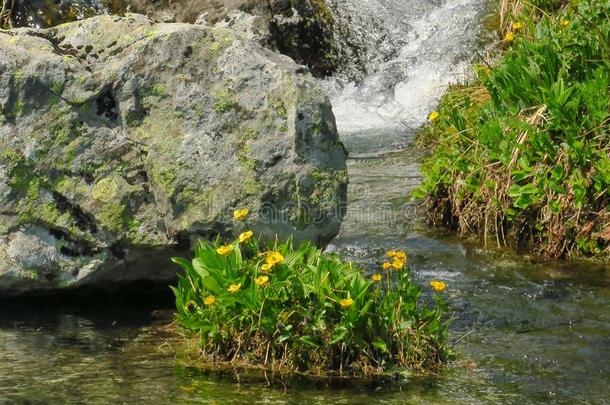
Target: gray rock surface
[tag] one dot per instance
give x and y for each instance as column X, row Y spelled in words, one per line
column 309, row 31
column 123, row 140
column 312, row 32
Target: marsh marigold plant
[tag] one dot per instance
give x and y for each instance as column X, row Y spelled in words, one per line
column 301, row 309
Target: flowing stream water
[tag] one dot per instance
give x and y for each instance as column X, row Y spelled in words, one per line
column 525, row 333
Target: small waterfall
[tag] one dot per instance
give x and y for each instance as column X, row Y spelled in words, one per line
column 412, row 50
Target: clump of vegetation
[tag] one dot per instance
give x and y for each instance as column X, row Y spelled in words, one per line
column 6, row 14
column 224, row 101
column 523, row 152
column 303, row 310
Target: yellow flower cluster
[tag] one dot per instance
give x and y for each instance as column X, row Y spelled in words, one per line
column 399, row 260
column 509, row 37
column 433, row 115
column 240, row 215
column 272, row 259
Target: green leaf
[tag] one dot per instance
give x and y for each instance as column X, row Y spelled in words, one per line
column 185, row 264
column 200, row 267
column 309, row 340
column 380, row 345
column 338, row 334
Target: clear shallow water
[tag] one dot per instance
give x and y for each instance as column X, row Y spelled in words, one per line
column 535, row 334
column 526, row 333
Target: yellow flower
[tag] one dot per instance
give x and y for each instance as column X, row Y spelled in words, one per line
column 398, row 264
column 274, row 258
column 400, row 255
column 386, row 265
column 225, row 250
column 517, row 26
column 400, row 258
column 261, row 281
column 233, row 288
column 509, row 37
column 266, row 267
column 241, row 214
column 346, row 302
column 209, row 300
column 565, row 23
column 376, row 277
column 438, row 286
column 245, row 236
column 433, row 115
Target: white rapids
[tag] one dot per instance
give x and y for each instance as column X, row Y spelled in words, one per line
column 415, row 49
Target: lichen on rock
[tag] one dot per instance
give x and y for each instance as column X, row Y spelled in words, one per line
column 122, row 140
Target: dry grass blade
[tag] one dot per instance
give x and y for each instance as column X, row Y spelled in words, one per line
column 534, row 120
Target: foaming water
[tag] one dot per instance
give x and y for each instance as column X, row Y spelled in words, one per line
column 414, row 50
column 418, row 48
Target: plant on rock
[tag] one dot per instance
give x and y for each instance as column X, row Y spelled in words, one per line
column 300, row 309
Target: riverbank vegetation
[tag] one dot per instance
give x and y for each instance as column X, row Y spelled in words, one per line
column 521, row 154
column 302, row 310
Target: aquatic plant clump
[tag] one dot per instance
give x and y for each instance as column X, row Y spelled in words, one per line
column 303, row 310
column 522, row 154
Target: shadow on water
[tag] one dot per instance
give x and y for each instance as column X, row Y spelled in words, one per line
column 104, row 308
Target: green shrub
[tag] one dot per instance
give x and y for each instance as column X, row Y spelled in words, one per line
column 524, row 151
column 305, row 310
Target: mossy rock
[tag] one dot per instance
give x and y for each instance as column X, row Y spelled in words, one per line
column 112, row 164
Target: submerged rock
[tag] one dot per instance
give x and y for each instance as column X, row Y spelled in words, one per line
column 123, row 140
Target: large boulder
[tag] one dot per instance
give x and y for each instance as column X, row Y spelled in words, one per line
column 123, row 140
